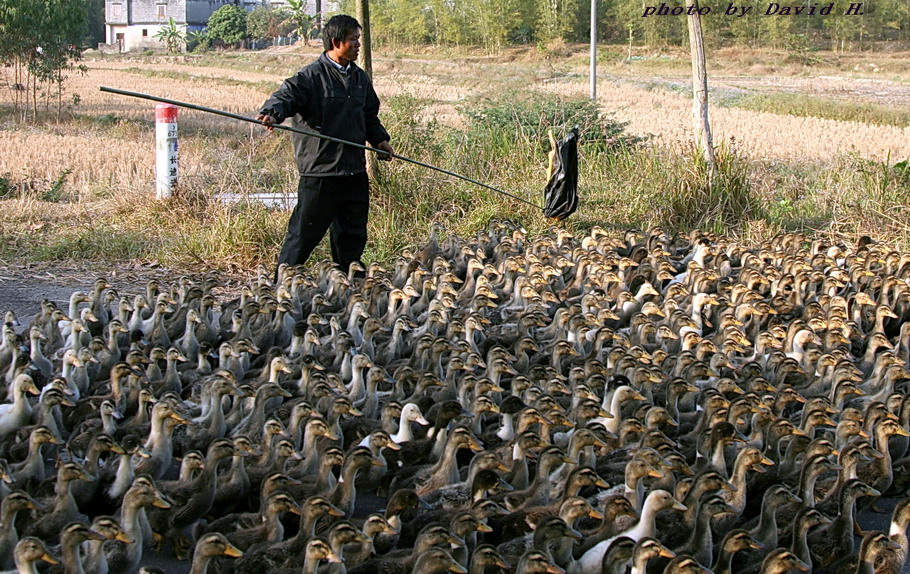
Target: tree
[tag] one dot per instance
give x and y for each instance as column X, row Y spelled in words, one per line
column 266, row 23
column 554, row 18
column 302, row 22
column 41, row 41
column 172, row 36
column 228, row 24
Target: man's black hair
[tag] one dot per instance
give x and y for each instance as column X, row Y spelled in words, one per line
column 337, row 28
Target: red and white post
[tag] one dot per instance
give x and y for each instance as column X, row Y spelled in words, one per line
column 165, row 150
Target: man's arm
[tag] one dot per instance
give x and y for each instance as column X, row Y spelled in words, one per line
column 284, row 103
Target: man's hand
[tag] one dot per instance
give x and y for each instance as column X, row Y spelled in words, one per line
column 386, row 147
column 267, row 120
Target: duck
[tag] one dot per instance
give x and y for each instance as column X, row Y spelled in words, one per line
column 875, row 548
column 94, row 559
column 550, row 537
column 656, row 501
column 50, row 523
column 782, row 560
column 700, row 544
column 12, row 504
column 208, row 547
column 189, row 500
column 269, row 528
column 836, row 539
column 734, row 541
column 72, row 537
column 18, row 413
column 403, row 561
column 28, row 552
column 124, row 557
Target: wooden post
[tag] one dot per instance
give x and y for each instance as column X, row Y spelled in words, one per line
column 700, row 86
column 366, row 63
column 594, row 49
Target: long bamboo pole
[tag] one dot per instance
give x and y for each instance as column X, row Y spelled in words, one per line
column 312, row 134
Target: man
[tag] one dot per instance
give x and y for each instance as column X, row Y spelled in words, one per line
column 333, row 97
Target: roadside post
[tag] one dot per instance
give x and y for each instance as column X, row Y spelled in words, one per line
column 165, row 150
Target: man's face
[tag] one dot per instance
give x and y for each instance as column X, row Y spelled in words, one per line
column 348, row 49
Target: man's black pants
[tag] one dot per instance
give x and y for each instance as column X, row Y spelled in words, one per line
column 339, row 204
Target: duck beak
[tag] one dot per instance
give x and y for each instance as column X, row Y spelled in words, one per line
column 393, row 445
column 96, row 535
column 502, row 564
column 117, row 449
column 122, row 537
column 232, row 551
column 422, row 421
column 654, row 473
column 161, row 503
column 679, row 506
column 756, row 545
column 505, row 486
column 49, row 559
column 181, row 419
column 456, row 540
column 554, row 569
column 336, row 512
column 484, row 528
column 456, row 567
column 667, row 553
column 600, row 483
column 595, row 514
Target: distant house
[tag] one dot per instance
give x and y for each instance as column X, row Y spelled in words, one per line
column 132, row 24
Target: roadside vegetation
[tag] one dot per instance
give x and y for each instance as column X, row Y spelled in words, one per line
column 82, row 187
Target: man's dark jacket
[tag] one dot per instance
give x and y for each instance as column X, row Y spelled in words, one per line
column 320, row 98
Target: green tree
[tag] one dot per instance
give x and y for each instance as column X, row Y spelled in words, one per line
column 398, row 22
column 492, row 20
column 555, row 19
column 228, row 24
column 266, row 23
column 303, row 23
column 198, row 40
column 172, row 35
column 41, row 40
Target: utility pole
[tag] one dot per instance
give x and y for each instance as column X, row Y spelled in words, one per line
column 593, row 49
column 703, row 137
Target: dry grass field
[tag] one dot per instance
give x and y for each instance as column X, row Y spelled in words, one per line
column 840, row 118
column 654, row 101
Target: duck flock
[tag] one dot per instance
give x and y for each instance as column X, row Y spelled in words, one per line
column 503, row 403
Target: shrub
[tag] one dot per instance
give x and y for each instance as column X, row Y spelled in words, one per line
column 531, row 116
column 715, row 202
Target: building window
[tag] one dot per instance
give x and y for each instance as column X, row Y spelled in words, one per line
column 161, row 9
column 145, row 32
column 116, row 10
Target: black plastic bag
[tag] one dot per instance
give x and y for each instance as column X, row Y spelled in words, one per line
column 560, row 198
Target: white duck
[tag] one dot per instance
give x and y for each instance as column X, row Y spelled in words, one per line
column 409, row 413
column 18, row 413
